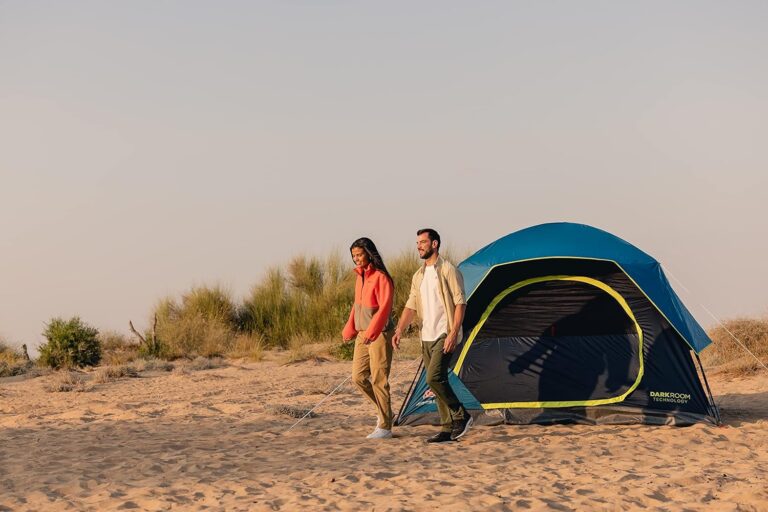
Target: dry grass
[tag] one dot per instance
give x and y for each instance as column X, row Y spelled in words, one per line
column 410, row 349
column 117, row 349
column 290, row 410
column 22, row 367
column 302, row 348
column 65, row 381
column 8, row 354
column 726, row 355
column 197, row 364
column 247, row 346
column 112, row 373
column 292, row 307
column 202, row 323
column 153, row 364
column 12, row 363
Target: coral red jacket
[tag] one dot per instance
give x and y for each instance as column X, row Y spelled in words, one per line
column 374, row 294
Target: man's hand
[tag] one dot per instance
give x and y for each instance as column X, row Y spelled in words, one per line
column 396, row 340
column 368, row 341
column 449, row 345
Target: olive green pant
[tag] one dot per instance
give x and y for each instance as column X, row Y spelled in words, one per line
column 436, row 366
column 370, row 373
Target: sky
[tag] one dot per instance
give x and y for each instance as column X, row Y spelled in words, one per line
column 147, row 147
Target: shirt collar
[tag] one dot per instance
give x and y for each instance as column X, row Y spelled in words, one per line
column 369, row 269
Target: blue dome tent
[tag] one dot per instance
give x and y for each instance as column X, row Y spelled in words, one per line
column 569, row 323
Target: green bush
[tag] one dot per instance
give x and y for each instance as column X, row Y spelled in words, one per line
column 70, row 343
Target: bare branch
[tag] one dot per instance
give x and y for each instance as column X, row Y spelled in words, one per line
column 134, row 331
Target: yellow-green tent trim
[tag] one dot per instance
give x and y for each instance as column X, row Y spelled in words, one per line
column 572, row 403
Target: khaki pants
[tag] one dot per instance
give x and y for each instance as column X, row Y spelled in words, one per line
column 436, row 371
column 370, row 373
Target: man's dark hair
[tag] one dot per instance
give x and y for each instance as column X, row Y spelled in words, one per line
column 432, row 234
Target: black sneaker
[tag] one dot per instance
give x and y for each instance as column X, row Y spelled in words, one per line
column 461, row 427
column 440, row 437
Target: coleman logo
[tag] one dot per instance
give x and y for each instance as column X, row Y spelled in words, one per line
column 670, row 397
column 428, row 398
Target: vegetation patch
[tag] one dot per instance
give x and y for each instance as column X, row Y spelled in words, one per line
column 726, row 355
column 66, row 381
column 117, row 349
column 153, row 364
column 290, row 410
column 71, row 343
column 112, row 373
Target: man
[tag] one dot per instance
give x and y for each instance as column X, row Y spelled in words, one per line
column 437, row 297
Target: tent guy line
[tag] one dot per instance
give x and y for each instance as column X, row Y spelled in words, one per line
column 705, row 308
column 402, row 370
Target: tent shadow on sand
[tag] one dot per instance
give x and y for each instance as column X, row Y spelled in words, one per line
column 740, row 409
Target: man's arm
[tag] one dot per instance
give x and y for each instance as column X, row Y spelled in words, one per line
column 458, row 317
column 455, row 283
column 408, row 313
column 405, row 320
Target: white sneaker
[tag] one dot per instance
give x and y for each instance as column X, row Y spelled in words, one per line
column 380, row 433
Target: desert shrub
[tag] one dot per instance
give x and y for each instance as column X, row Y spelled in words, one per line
column 71, row 343
column 111, row 373
column 8, row 356
column 153, row 364
column 203, row 323
column 247, row 346
column 310, row 300
column 197, row 364
column 305, row 302
column 271, row 310
column 66, row 381
column 117, row 349
column 726, row 352
column 20, row 367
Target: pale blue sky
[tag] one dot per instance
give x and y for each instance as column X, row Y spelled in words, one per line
column 149, row 146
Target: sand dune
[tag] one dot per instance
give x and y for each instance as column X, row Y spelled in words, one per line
column 213, row 440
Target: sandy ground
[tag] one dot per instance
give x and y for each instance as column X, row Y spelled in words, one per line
column 212, row 440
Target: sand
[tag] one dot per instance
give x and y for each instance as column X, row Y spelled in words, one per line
column 213, row 440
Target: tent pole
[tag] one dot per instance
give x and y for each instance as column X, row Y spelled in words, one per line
column 709, row 391
column 408, row 393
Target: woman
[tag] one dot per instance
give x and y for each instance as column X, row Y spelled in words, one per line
column 371, row 327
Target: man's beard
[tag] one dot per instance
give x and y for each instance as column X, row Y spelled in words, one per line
column 428, row 253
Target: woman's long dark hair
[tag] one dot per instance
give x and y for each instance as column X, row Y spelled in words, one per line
column 370, row 249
